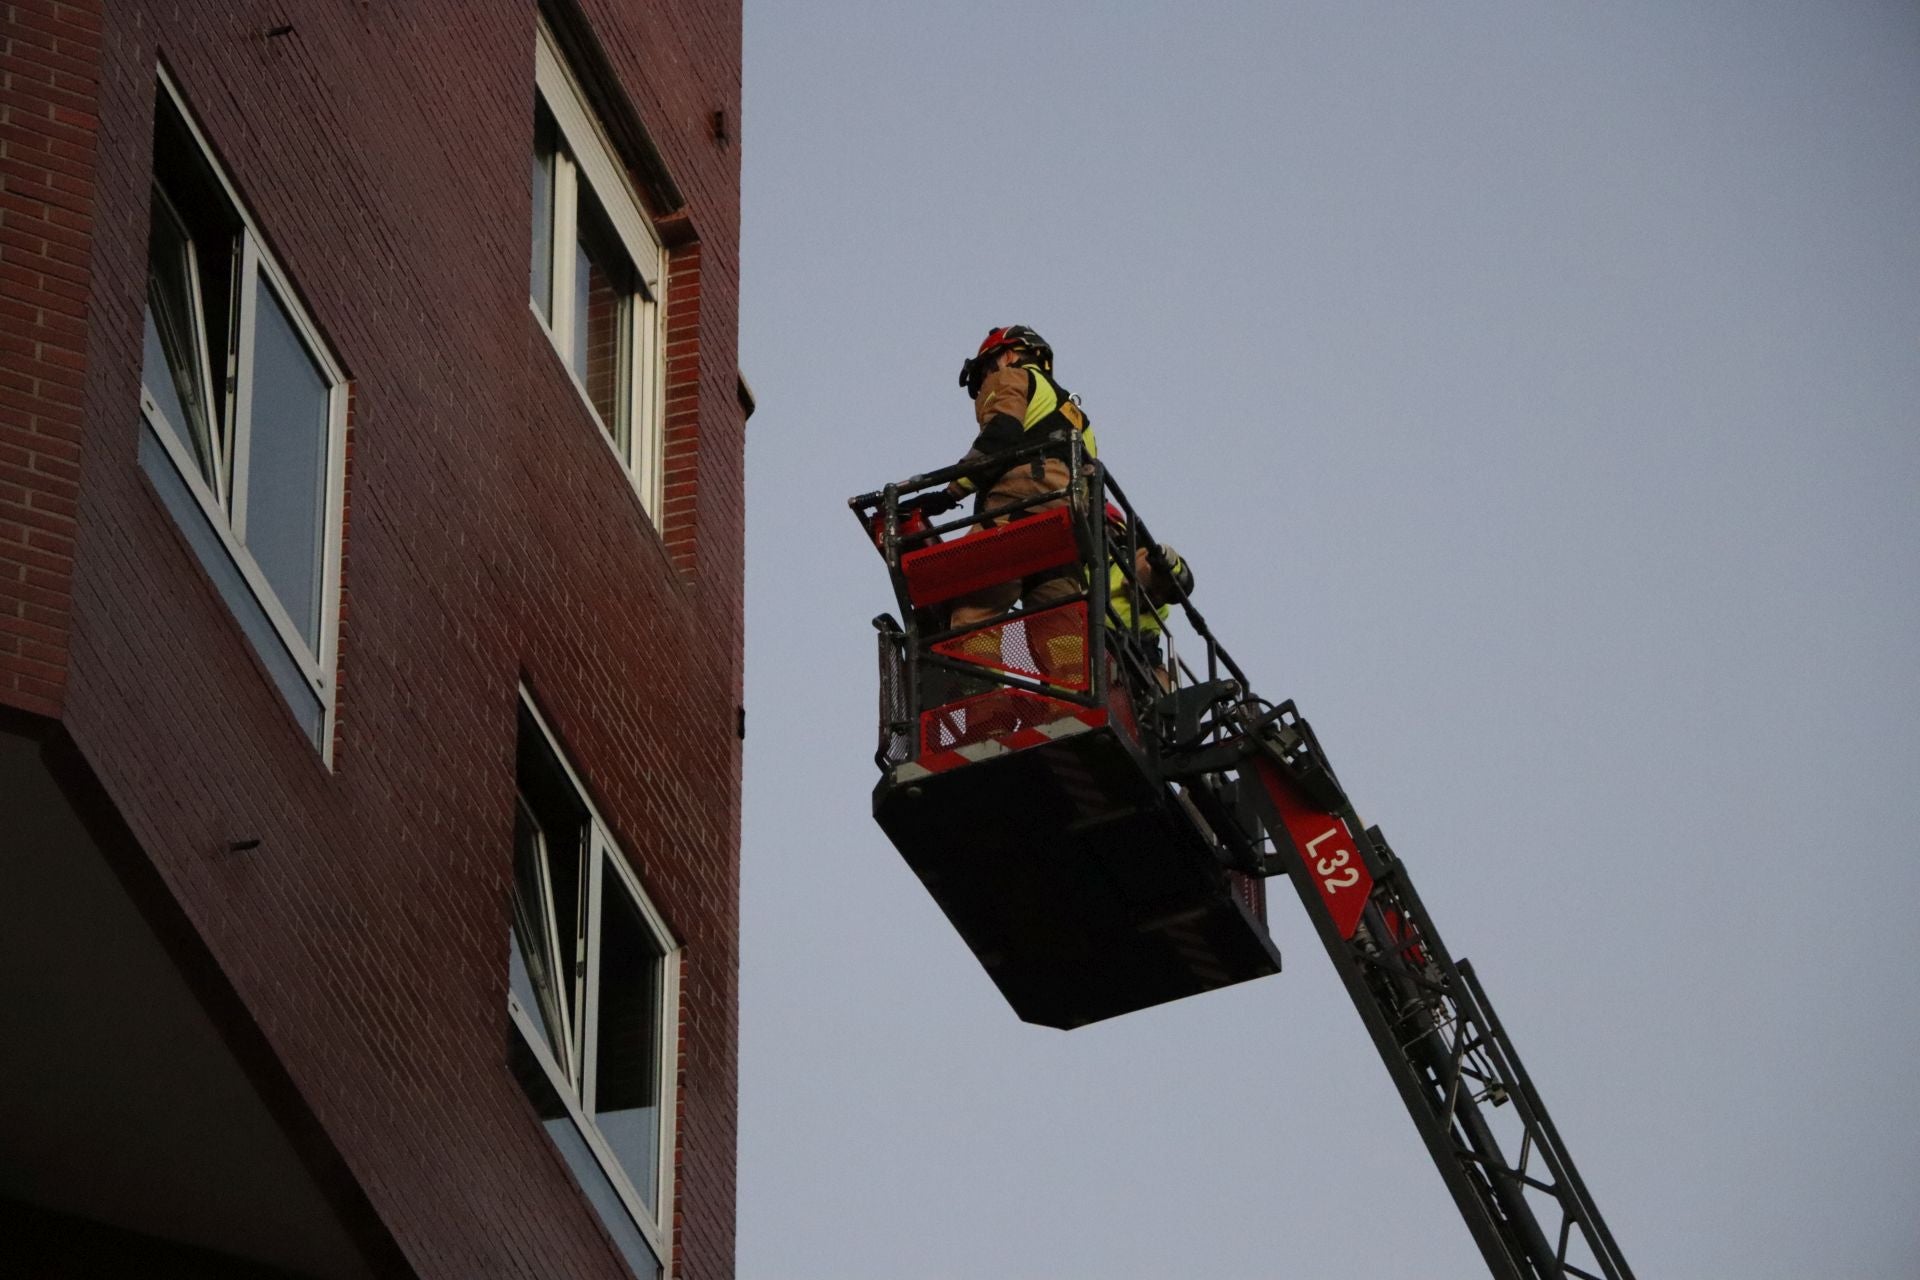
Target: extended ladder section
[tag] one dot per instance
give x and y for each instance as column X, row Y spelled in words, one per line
column 1459, row 1075
column 1097, row 819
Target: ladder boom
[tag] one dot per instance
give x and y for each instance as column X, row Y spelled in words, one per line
column 1434, row 1028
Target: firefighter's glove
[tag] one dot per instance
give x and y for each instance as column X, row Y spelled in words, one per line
column 939, row 502
column 1169, row 568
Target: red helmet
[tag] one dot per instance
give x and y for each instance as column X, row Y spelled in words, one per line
column 1011, row 337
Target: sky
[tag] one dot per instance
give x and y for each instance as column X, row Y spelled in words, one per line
column 1535, row 391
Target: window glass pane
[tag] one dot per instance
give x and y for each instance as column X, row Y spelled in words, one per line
column 545, row 144
column 175, row 367
column 586, row 1170
column 287, row 464
column 535, row 983
column 561, row 815
column 603, row 285
column 626, row 1104
column 189, row 201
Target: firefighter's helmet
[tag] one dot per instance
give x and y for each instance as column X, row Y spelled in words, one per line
column 1011, row 337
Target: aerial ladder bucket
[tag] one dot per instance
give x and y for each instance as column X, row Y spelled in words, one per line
column 1019, row 786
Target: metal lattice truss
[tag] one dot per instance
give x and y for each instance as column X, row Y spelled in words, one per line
column 1463, row 1083
column 1459, row 1075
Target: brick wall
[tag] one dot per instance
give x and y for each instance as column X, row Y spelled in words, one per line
column 383, row 150
column 49, row 73
column 685, row 396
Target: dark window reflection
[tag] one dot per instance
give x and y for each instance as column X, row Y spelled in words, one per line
column 626, row 1107
column 546, row 145
column 555, row 809
column 603, row 288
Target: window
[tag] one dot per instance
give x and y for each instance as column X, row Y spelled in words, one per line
column 592, row 990
column 245, row 415
column 596, row 273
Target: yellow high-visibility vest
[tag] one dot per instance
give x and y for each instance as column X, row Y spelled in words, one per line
column 1047, row 402
column 1120, row 596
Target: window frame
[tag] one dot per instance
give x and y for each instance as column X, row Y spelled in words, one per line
column 575, row 1082
column 224, row 504
column 586, row 154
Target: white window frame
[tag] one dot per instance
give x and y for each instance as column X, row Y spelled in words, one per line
column 574, row 1082
column 226, row 508
column 588, row 155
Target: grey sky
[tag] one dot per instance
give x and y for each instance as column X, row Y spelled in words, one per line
column 1536, row 392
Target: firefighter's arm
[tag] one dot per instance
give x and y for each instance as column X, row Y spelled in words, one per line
column 1001, row 406
column 964, row 484
column 1164, row 573
column 1001, row 412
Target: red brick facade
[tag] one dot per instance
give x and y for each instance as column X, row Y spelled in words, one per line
column 49, row 87
column 494, row 540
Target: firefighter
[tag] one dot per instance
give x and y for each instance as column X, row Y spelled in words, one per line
column 1157, row 571
column 1017, row 402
